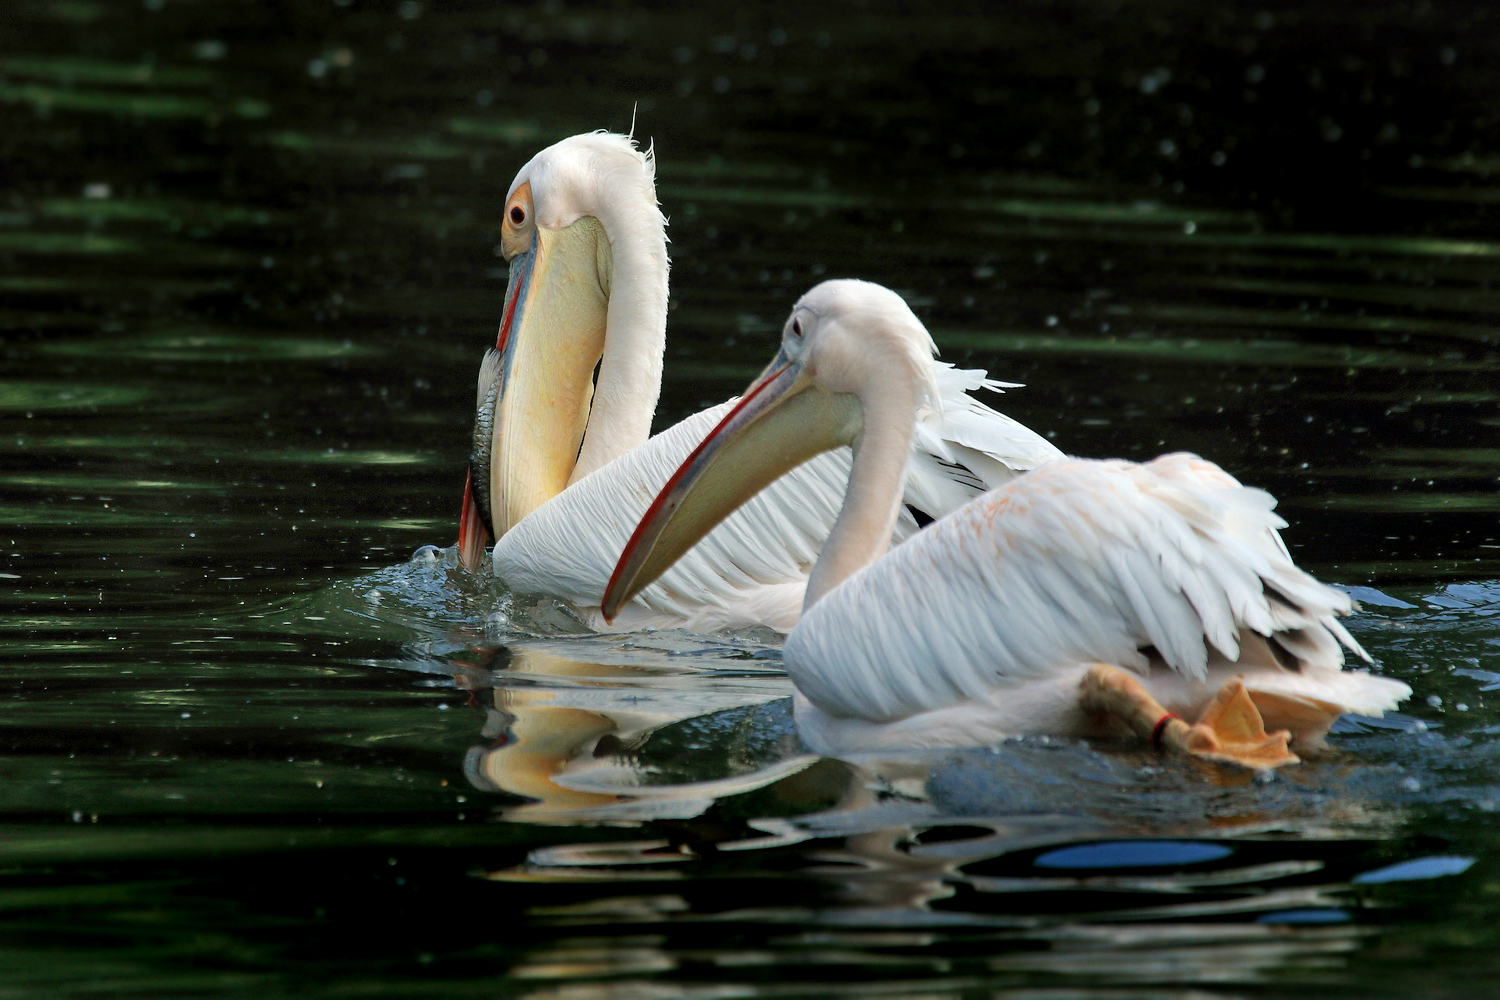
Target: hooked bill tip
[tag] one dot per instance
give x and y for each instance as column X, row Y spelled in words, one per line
column 473, row 536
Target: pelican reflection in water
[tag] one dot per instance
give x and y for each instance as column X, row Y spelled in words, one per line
column 565, row 733
column 974, row 853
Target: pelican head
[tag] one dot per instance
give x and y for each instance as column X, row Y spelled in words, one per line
column 588, row 281
column 854, row 364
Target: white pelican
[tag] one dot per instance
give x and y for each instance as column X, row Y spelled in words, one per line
column 1157, row 589
column 562, row 468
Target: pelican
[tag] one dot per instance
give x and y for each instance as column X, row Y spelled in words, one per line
column 1084, row 597
column 563, row 466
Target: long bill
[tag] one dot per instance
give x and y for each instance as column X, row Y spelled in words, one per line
column 536, row 386
column 784, row 419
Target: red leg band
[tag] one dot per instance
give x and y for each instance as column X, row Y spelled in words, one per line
column 1161, row 727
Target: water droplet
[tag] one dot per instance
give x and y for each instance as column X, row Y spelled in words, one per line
column 1155, row 80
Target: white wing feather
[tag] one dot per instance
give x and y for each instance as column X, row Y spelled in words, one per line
column 752, row 568
column 1079, row 562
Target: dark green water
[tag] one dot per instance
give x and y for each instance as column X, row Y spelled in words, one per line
column 250, row 747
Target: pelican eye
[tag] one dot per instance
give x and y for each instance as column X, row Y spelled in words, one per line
column 796, row 328
column 517, row 214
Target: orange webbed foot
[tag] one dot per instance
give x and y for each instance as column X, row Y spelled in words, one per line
column 1231, row 730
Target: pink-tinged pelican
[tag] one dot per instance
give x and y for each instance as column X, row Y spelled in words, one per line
column 563, row 466
column 1085, row 594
